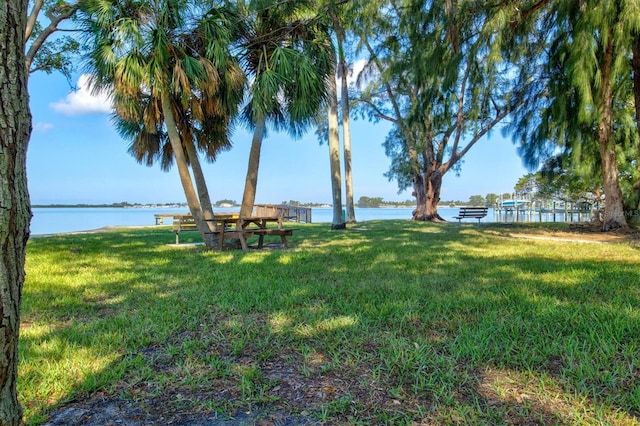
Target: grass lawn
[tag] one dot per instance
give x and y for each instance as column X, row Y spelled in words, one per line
column 392, row 322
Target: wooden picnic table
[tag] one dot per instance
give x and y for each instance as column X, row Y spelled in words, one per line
column 232, row 226
column 241, row 228
column 161, row 217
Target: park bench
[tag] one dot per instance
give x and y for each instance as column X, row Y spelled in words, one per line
column 471, row 213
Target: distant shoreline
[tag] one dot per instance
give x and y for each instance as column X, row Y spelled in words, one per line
column 98, row 206
column 183, row 205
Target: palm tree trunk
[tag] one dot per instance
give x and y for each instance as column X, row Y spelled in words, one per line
column 183, row 168
column 251, row 181
column 15, row 209
column 334, row 154
column 346, row 121
column 346, row 139
column 203, row 193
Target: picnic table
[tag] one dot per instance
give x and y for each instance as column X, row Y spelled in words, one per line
column 241, row 228
column 232, row 226
column 160, row 218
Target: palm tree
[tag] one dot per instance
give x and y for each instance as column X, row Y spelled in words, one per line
column 175, row 85
column 286, row 54
column 337, row 19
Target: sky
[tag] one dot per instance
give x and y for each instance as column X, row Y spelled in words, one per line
column 75, row 156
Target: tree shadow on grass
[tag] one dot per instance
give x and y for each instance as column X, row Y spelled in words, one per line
column 392, row 323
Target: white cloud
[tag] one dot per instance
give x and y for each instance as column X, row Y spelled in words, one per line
column 352, row 77
column 356, row 69
column 42, row 127
column 82, row 101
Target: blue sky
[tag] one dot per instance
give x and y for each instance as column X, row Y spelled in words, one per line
column 76, row 156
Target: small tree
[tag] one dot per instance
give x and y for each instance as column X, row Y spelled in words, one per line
column 476, row 200
column 491, row 199
column 370, row 201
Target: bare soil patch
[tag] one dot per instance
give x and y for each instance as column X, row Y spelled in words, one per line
column 579, row 232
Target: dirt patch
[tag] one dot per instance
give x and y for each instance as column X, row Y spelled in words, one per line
column 111, row 411
column 294, row 397
column 581, row 232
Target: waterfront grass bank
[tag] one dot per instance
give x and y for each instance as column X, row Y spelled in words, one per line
column 391, row 322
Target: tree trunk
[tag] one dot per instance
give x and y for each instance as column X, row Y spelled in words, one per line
column 420, row 192
column 203, row 195
column 15, row 209
column 635, row 62
column 251, row 181
column 346, row 139
column 183, row 167
column 346, row 121
column 426, row 189
column 433, row 196
column 614, row 217
column 334, row 154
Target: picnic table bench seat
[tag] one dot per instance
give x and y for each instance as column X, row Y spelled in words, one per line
column 183, row 223
column 283, row 233
column 471, row 213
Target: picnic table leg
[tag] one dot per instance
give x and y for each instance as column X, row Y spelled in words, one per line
column 260, row 240
column 243, row 242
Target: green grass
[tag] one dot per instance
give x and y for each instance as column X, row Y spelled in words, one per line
column 393, row 323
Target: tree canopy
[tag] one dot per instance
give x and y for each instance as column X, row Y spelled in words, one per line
column 582, row 103
column 435, row 75
column 175, row 85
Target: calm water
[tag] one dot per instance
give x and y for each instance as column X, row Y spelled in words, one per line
column 57, row 220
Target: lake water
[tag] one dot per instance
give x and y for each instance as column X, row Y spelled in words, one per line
column 69, row 219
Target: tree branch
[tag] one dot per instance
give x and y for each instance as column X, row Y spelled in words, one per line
column 378, row 112
column 65, row 12
column 32, row 18
column 411, row 145
column 460, row 116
